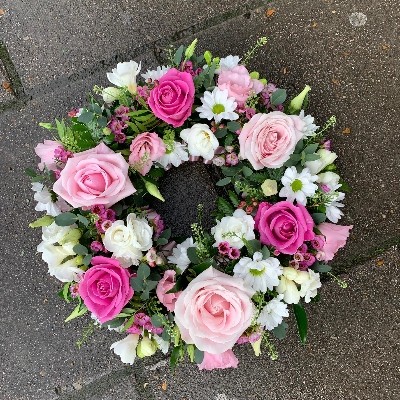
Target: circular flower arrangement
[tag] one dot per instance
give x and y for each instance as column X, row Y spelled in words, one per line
column 234, row 284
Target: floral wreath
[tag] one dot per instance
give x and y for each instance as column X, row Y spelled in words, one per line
column 232, row 285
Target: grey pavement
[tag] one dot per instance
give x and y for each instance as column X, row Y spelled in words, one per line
column 56, row 52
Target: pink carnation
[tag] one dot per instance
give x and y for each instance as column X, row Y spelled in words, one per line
column 164, row 285
column 335, row 238
column 46, row 153
column 146, row 148
column 219, row 361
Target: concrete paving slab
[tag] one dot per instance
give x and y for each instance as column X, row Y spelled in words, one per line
column 352, row 350
column 5, row 87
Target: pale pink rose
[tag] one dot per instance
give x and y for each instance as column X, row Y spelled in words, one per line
column 335, row 238
column 219, row 361
column 95, row 176
column 268, row 140
column 239, row 83
column 167, row 283
column 214, row 311
column 146, row 148
column 46, row 153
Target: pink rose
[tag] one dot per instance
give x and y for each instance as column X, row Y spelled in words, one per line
column 238, row 83
column 335, row 238
column 172, row 99
column 167, row 283
column 268, row 140
column 95, row 176
column 105, row 288
column 284, row 225
column 221, row 361
column 146, row 148
column 46, row 153
column 213, row 311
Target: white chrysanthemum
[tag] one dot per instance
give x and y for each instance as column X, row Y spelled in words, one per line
column 175, row 156
column 45, row 201
column 126, row 348
column 298, row 186
column 234, row 229
column 273, row 313
column 179, row 254
column 333, row 212
column 258, row 273
column 309, row 287
column 125, row 75
column 155, row 74
column 309, row 126
column 228, row 63
column 218, row 105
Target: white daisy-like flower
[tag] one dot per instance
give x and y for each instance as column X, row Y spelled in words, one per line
column 179, row 254
column 309, row 287
column 258, row 273
column 228, row 63
column 309, row 128
column 175, row 156
column 152, row 75
column 273, row 313
column 217, row 105
column 333, row 212
column 45, row 201
column 298, row 186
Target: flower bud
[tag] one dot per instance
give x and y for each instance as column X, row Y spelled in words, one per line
column 269, row 187
column 110, row 94
column 146, row 348
column 297, row 103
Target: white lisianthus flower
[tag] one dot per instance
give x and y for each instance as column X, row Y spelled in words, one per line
column 218, row 105
column 333, row 212
column 179, row 254
column 125, row 75
column 287, row 285
column 54, row 256
column 175, row 156
column 309, row 287
column 110, row 94
column 227, row 63
column 234, row 229
column 162, row 344
column 201, row 141
column 128, row 242
column 330, row 180
column 273, row 313
column 257, row 273
column 326, row 157
column 152, row 75
column 55, row 233
column 126, row 348
column 45, row 201
column 298, row 186
column 309, row 126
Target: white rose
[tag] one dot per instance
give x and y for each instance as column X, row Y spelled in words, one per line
column 110, row 94
column 125, row 75
column 142, row 230
column 126, row 348
column 326, row 157
column 54, row 256
column 234, row 229
column 179, row 254
column 201, row 141
column 54, row 233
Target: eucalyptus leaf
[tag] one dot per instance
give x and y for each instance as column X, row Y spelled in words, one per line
column 224, row 181
column 86, row 117
column 178, row 55
column 233, row 126
column 220, row 133
column 311, row 148
column 157, row 320
column 82, row 219
column 247, row 171
column 65, row 219
column 321, row 267
column 265, row 252
column 143, row 271
column 192, row 255
column 312, row 157
column 278, row 97
column 86, row 260
column 80, row 249
column 280, row 331
column 318, row 218
column 198, row 356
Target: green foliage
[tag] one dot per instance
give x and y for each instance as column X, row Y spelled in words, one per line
column 46, row 220
column 301, row 319
column 224, row 207
column 224, row 181
column 278, row 97
column 318, row 267
column 80, row 249
column 65, row 219
column 318, row 218
column 141, row 284
column 280, row 331
column 142, row 121
column 79, row 310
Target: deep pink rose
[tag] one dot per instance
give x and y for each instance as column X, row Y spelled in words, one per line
column 105, row 288
column 172, row 99
column 95, row 176
column 268, row 140
column 213, row 311
column 46, row 153
column 335, row 238
column 146, row 148
column 284, row 225
column 219, row 361
column 238, row 83
column 167, row 283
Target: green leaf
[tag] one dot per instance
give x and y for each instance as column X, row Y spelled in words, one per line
column 178, row 55
column 157, row 320
column 178, row 286
column 233, row 126
column 220, row 133
column 46, row 125
column 86, row 117
column 192, row 255
column 280, row 331
column 299, row 146
column 293, row 160
column 233, row 198
column 137, row 284
column 65, row 219
column 153, row 190
column 86, row 260
column 64, row 293
column 150, row 285
column 252, row 246
column 265, row 252
column 224, row 181
column 199, row 268
column 231, row 171
column 129, row 323
column 198, row 356
column 78, row 312
column 82, row 219
column 143, row 271
column 312, row 157
column 145, row 294
column 46, row 220
column 80, row 249
column 190, row 49
column 166, row 234
column 30, row 172
column 301, row 319
column 176, row 356
column 165, row 336
column 162, row 241
column 247, row 171
column 311, row 148
column 318, row 218
column 278, row 97
column 224, row 206
column 321, row 267
column 102, row 122
column 208, row 57
column 114, row 323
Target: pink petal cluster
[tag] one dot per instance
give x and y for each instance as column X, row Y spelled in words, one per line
column 95, row 176
column 166, row 283
column 214, row 311
column 46, row 153
column 284, row 225
column 219, row 361
column 335, row 237
column 105, row 288
column 146, row 148
column 172, row 99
